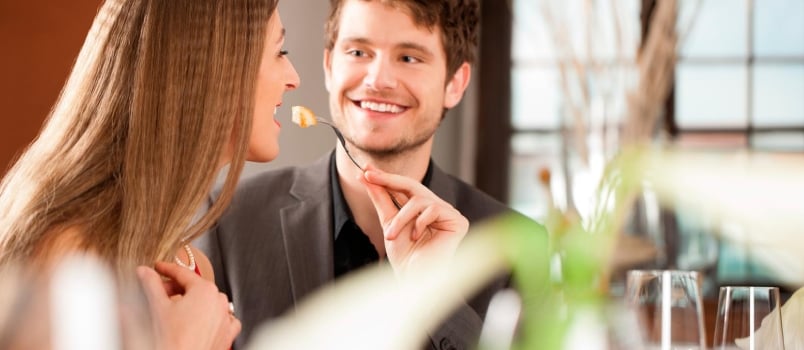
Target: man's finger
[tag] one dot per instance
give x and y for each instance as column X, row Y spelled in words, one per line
column 386, row 210
column 406, row 215
column 381, row 200
column 396, row 183
column 423, row 221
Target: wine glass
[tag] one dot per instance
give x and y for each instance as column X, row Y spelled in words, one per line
column 669, row 308
column 79, row 304
column 748, row 318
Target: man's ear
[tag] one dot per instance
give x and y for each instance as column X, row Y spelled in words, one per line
column 457, row 85
column 327, row 67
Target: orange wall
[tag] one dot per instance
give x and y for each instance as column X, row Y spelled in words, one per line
column 39, row 41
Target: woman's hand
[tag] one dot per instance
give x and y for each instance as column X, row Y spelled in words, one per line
column 190, row 312
column 425, row 228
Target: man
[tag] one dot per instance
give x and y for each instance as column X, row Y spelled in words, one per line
column 393, row 68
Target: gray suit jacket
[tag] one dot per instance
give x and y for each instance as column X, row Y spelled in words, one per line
column 274, row 245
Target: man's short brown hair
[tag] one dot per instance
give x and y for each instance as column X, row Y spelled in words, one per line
column 457, row 19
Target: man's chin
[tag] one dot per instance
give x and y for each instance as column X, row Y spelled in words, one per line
column 388, row 150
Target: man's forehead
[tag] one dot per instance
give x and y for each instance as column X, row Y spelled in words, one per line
column 379, row 23
column 405, row 7
column 350, row 28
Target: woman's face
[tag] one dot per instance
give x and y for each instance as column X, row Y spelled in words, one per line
column 276, row 76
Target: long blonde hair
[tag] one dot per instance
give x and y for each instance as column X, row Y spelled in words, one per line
column 133, row 144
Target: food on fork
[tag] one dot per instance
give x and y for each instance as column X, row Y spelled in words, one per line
column 303, row 116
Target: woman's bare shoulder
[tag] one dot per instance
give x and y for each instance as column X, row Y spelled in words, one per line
column 60, row 243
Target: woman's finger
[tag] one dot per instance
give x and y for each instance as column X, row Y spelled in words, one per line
column 234, row 329
column 224, row 301
column 183, row 276
column 171, row 287
column 152, row 284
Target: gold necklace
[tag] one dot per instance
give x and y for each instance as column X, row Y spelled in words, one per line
column 190, row 255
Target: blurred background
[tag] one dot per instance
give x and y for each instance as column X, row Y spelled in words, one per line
column 738, row 86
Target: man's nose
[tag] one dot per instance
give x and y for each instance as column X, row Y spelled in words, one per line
column 380, row 75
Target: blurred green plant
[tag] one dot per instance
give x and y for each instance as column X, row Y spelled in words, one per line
column 581, row 252
column 756, row 191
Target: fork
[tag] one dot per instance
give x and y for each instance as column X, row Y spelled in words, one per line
column 340, row 138
column 343, row 144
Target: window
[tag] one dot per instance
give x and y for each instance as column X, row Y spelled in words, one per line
column 540, row 114
column 740, row 76
column 739, row 84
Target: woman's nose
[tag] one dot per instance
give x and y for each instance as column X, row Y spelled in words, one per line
column 294, row 81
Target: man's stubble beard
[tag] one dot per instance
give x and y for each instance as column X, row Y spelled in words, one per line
column 398, row 149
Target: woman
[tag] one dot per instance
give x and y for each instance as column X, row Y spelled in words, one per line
column 163, row 94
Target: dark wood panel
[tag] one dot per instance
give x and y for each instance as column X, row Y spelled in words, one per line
column 494, row 109
column 39, row 40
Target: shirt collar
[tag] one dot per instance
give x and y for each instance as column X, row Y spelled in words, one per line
column 341, row 213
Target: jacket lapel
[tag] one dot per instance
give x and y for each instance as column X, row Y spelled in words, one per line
column 307, row 230
column 443, row 186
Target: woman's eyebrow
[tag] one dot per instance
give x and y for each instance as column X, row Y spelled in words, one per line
column 281, row 36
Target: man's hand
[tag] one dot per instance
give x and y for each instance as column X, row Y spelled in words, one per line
column 425, row 228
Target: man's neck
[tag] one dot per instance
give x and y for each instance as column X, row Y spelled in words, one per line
column 412, row 164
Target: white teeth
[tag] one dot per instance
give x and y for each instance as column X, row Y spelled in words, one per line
column 381, row 107
column 275, row 109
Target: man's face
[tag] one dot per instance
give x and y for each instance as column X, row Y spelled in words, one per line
column 386, row 79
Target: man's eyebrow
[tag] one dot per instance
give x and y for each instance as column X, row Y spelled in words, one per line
column 415, row 46
column 403, row 45
column 359, row 40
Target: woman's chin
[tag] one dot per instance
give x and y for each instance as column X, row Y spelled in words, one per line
column 262, row 156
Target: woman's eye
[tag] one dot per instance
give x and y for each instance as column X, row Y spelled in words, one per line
column 283, row 53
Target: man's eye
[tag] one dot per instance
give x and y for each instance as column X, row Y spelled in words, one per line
column 357, row 53
column 410, row 59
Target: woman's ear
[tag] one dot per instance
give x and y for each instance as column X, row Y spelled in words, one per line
column 457, row 85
